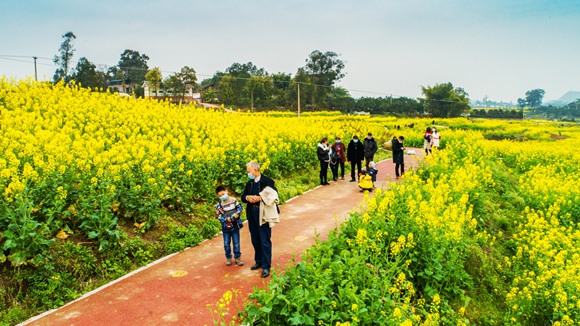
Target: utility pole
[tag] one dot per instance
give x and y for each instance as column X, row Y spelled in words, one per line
column 252, row 101
column 35, row 73
column 298, row 101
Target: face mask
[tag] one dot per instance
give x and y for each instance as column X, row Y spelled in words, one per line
column 338, row 142
column 224, row 197
column 369, row 138
column 251, row 176
column 355, row 141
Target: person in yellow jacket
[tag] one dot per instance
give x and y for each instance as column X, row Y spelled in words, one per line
column 365, row 181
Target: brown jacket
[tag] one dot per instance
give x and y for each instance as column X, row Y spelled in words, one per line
column 342, row 151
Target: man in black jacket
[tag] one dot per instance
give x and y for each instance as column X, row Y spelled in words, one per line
column 260, row 234
column 398, row 155
column 370, row 145
column 355, row 155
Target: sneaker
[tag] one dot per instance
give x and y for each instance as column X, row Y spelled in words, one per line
column 228, row 262
column 342, row 178
column 239, row 262
column 353, row 180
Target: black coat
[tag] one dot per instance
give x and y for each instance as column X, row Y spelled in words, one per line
column 355, row 152
column 370, row 147
column 398, row 154
column 264, row 182
column 323, row 155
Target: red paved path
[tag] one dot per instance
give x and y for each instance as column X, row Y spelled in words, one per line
column 159, row 294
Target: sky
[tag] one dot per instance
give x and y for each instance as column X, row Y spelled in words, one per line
column 498, row 48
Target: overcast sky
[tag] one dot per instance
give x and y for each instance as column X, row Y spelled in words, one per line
column 498, row 48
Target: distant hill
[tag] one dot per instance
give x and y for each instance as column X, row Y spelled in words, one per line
column 569, row 97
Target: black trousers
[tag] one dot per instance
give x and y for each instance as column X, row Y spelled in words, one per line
column 368, row 159
column 341, row 164
column 353, row 164
column 402, row 169
column 261, row 239
column 334, row 170
column 323, row 171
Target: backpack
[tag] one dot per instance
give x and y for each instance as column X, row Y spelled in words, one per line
column 428, row 138
column 333, row 158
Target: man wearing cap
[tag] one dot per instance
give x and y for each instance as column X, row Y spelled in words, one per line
column 355, row 155
column 340, row 151
column 370, row 146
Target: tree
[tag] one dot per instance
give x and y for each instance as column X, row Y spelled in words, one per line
column 179, row 81
column 86, row 74
column 341, row 99
column 226, row 89
column 252, row 84
column 324, row 69
column 154, row 78
column 444, row 100
column 134, row 66
column 301, row 79
column 242, row 73
column 534, row 97
column 282, row 83
column 260, row 90
column 282, row 80
column 66, row 52
column 402, row 105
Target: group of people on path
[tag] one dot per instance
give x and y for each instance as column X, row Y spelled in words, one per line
column 261, row 196
column 336, row 155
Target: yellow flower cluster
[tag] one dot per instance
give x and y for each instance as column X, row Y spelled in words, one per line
column 68, row 148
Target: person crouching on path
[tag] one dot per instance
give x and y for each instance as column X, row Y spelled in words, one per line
column 373, row 172
column 229, row 212
column 399, row 156
column 323, row 153
column 365, row 181
column 260, row 233
column 340, row 151
column 370, row 148
column 355, row 155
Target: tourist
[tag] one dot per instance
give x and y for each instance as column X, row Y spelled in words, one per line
column 228, row 212
column 260, row 233
column 435, row 136
column 373, row 172
column 365, row 181
column 428, row 140
column 399, row 156
column 323, row 153
column 340, row 150
column 355, row 155
column 370, row 148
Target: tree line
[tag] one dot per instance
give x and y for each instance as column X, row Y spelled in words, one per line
column 245, row 85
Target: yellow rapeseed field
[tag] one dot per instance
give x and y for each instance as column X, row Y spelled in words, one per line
column 75, row 162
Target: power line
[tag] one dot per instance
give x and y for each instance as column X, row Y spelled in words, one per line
column 105, row 66
column 44, row 64
column 23, row 56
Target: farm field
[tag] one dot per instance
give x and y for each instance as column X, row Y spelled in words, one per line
column 94, row 185
column 486, row 232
